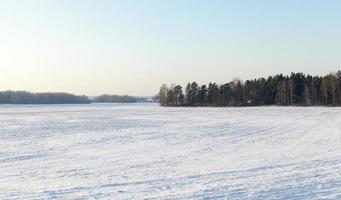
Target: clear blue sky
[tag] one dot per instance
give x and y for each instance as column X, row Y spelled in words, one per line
column 132, row 47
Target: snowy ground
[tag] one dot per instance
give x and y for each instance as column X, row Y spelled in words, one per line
column 142, row 151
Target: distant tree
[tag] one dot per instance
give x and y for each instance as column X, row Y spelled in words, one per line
column 188, row 95
column 163, row 95
column 213, row 96
column 261, row 95
column 324, row 91
column 178, row 96
column 282, row 98
column 225, row 94
column 193, row 94
column 338, row 88
column 332, row 81
column 202, row 96
column 239, row 92
column 291, row 91
column 171, row 99
column 298, row 87
column 306, row 96
column 250, row 93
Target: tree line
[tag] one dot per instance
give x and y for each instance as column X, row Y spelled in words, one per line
column 296, row 89
column 23, row 97
column 115, row 99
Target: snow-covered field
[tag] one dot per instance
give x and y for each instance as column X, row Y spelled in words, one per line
column 143, row 151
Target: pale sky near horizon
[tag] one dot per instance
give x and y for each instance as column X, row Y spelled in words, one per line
column 133, row 46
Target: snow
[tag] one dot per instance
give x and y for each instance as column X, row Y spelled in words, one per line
column 143, row 151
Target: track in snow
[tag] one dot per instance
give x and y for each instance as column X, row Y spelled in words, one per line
column 142, row 151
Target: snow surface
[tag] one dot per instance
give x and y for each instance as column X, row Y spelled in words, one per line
column 143, row 151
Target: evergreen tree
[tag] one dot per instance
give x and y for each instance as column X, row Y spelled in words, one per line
column 202, row 96
column 225, row 94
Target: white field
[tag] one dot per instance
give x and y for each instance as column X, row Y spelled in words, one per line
column 143, row 151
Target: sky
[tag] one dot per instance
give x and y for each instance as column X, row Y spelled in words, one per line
column 133, row 46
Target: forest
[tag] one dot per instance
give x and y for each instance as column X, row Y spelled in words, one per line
column 23, row 97
column 296, row 89
column 115, row 99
